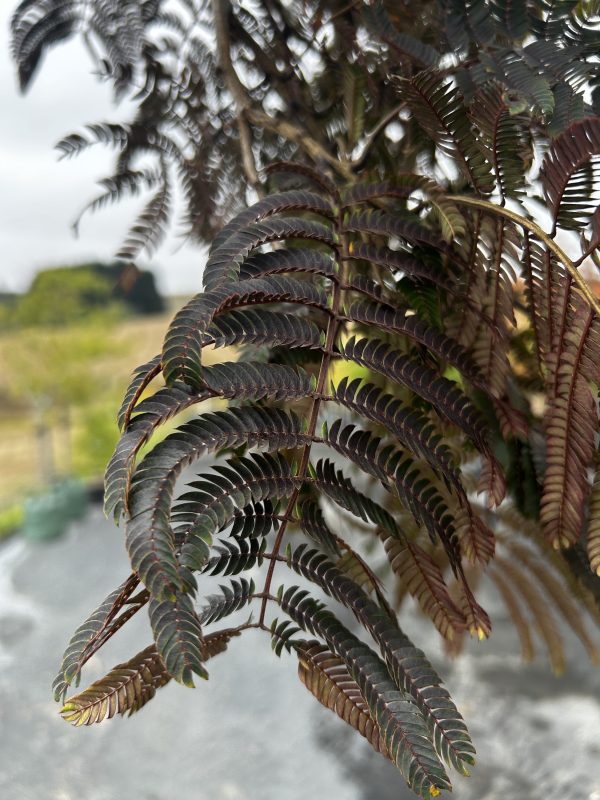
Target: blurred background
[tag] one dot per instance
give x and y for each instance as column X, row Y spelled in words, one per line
column 65, row 305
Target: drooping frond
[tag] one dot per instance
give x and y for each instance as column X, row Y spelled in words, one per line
column 410, row 669
column 124, row 690
column 327, row 678
column 570, row 174
column 425, row 581
column 90, row 635
column 129, row 686
column 404, row 731
column 571, row 423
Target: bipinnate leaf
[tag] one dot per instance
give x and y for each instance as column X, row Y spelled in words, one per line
column 231, row 599
column 403, row 333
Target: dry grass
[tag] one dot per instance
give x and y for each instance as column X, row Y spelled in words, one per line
column 130, row 343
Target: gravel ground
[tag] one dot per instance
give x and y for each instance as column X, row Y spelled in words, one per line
column 253, row 732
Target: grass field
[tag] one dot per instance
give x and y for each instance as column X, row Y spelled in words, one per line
column 81, row 445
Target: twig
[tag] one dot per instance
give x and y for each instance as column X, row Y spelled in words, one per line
column 542, row 236
column 371, row 137
column 235, row 86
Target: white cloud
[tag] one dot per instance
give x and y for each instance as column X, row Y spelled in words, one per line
column 40, row 196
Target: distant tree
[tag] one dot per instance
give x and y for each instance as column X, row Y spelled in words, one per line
column 65, row 295
column 438, row 148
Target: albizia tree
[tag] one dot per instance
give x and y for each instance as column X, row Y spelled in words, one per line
column 384, row 186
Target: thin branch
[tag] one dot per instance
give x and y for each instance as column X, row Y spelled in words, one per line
column 292, row 133
column 542, row 236
column 283, row 128
column 371, row 137
column 235, row 86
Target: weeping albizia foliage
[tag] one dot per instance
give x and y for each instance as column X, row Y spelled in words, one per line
column 400, row 303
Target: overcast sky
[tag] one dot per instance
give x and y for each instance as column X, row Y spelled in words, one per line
column 40, row 195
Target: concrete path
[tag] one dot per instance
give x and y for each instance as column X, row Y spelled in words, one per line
column 253, row 732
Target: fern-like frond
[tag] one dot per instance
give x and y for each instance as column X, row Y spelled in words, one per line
column 408, row 666
column 236, row 555
column 178, row 636
column 412, row 429
column 151, row 225
column 506, row 140
column 327, row 678
column 404, row 226
column 295, row 200
column 124, row 690
column 569, row 173
column 216, row 501
column 92, row 633
column 438, row 108
column 187, row 332
column 400, row 723
column 398, row 262
column 422, row 577
column 231, row 599
column 217, row 431
column 313, row 524
column 387, row 364
column 223, row 264
column 402, row 322
column 445, row 396
column 593, row 530
column 129, row 686
column 571, row 424
column 404, row 186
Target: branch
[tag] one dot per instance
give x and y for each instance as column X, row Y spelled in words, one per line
column 243, row 102
column 542, row 236
column 292, row 133
column 235, row 86
column 372, row 136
